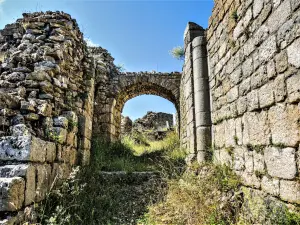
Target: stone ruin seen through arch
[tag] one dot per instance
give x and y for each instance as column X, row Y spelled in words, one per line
column 239, row 90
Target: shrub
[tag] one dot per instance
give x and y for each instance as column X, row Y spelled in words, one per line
column 178, row 53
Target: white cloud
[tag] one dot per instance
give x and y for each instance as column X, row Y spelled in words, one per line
column 1, row 1
column 88, row 41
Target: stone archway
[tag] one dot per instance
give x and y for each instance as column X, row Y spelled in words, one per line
column 125, row 86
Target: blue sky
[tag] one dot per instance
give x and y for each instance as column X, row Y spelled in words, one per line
column 138, row 34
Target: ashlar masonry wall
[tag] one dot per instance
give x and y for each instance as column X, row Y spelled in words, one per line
column 254, row 62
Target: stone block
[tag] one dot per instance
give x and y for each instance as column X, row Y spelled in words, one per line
column 293, row 92
column 257, row 7
column 249, row 163
column 219, row 134
column 284, row 124
column 203, row 135
column 238, row 132
column 43, row 181
column 279, row 16
column 12, row 193
column 44, row 109
column 85, row 126
column 247, row 67
column 241, row 105
column 26, row 171
column 252, row 100
column 15, row 148
column 267, row 49
column 19, row 130
column 50, row 148
column 266, row 95
column 245, row 86
column 32, row 117
column 250, row 180
column 280, row 91
column 271, row 71
column 270, row 185
column 258, row 161
column 71, row 139
column 281, row 61
column 295, row 4
column 290, row 191
column 84, row 143
column 58, row 134
column 232, row 94
column 230, row 133
column 60, row 122
column 256, row 130
column 259, row 78
column 280, row 162
column 225, row 157
column 236, row 75
column 293, row 53
column 238, row 158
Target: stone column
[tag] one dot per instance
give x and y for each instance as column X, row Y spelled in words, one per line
column 201, row 97
column 188, row 99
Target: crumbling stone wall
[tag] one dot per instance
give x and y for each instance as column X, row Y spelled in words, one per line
column 254, row 63
column 153, row 120
column 126, row 125
column 121, row 87
column 46, row 106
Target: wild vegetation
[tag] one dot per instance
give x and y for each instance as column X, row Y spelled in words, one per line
column 178, row 52
column 165, row 192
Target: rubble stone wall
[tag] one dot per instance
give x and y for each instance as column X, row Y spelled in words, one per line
column 46, row 106
column 254, row 61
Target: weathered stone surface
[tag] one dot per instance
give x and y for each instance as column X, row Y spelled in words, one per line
column 60, row 122
column 238, row 158
column 43, row 181
column 259, row 163
column 12, row 193
column 270, row 185
column 295, row 4
column 280, row 15
column 281, row 162
column 44, row 109
column 280, row 90
column 257, row 7
column 267, row 49
column 293, row 91
column 58, row 134
column 256, row 130
column 266, row 95
column 293, row 52
column 20, row 130
column 290, row 191
column 219, row 137
column 284, row 124
column 25, row 148
column 252, row 100
column 281, row 62
column 250, row 180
